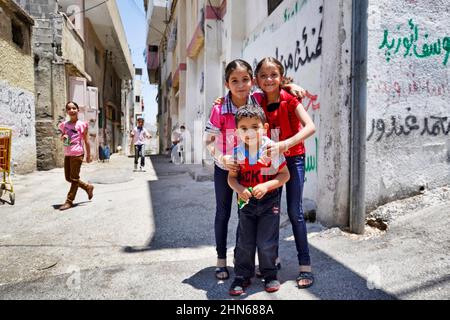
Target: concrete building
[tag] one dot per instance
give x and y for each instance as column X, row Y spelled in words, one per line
column 115, row 70
column 406, row 112
column 138, row 107
column 17, row 103
column 80, row 55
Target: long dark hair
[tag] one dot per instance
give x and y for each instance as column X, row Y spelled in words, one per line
column 238, row 63
column 270, row 60
column 279, row 65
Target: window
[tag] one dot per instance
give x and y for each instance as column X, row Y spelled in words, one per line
column 272, row 5
column 17, row 34
column 97, row 56
column 138, row 98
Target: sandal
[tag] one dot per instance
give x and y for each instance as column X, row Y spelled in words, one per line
column 305, row 276
column 222, row 270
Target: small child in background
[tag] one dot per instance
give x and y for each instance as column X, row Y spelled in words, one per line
column 139, row 134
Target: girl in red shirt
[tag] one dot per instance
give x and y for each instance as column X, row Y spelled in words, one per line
column 290, row 125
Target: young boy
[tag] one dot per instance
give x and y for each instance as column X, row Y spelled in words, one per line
column 138, row 134
column 256, row 184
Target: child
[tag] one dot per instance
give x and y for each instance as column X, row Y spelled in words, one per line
column 256, row 183
column 138, row 134
column 177, row 148
column 74, row 133
column 220, row 141
column 290, row 124
column 220, row 138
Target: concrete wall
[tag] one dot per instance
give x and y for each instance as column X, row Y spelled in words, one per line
column 93, row 68
column 333, row 193
column 408, row 118
column 50, row 80
column 17, row 103
column 73, row 45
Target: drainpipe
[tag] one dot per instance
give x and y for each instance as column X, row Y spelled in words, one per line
column 358, row 116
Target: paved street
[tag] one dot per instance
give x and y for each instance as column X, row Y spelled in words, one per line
column 149, row 235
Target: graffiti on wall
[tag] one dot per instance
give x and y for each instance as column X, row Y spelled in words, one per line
column 415, row 44
column 404, row 126
column 291, row 12
column 409, row 84
column 307, row 48
column 16, row 109
column 311, row 101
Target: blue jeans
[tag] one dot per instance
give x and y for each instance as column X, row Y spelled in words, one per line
column 294, row 197
column 259, row 226
column 224, row 197
column 139, row 152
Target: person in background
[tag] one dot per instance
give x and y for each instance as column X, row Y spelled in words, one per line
column 139, row 134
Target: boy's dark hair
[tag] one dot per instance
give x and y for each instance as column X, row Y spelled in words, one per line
column 238, row 63
column 250, row 111
column 74, row 103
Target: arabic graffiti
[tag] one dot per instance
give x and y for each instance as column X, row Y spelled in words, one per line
column 312, row 160
column 313, row 101
column 414, row 45
column 431, row 126
column 308, row 48
column 16, row 109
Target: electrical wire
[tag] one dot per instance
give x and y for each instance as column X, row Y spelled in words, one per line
column 75, row 13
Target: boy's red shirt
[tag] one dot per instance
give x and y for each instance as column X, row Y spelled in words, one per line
column 258, row 170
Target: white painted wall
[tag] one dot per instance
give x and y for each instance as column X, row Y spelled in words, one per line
column 17, row 112
column 406, row 91
column 137, row 92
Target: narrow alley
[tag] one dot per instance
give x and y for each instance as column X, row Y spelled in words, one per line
column 149, row 235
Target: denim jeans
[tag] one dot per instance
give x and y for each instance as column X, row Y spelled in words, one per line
column 259, row 225
column 294, row 197
column 139, row 151
column 224, row 197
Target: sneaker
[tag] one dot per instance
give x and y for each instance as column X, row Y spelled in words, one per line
column 271, row 284
column 238, row 286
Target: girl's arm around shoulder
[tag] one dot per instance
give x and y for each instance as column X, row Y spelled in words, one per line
column 305, row 119
column 308, row 128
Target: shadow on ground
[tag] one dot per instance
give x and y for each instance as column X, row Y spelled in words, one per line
column 333, row 281
column 183, row 220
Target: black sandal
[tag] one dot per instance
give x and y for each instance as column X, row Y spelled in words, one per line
column 304, row 275
column 222, row 270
